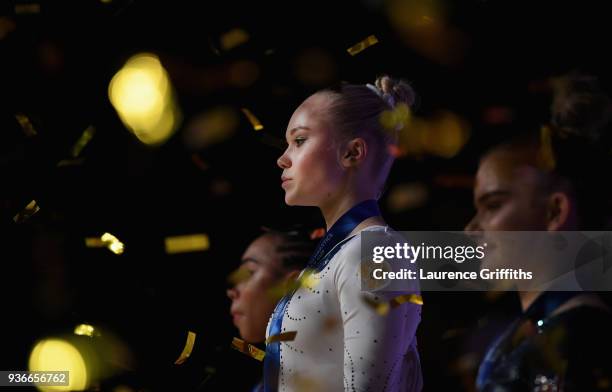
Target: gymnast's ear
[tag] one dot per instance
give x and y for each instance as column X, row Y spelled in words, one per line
column 355, row 151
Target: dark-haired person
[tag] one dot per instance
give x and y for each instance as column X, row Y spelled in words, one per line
column 562, row 341
column 271, row 261
column 338, row 160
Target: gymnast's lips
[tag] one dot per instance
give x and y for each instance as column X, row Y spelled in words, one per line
column 285, row 180
column 236, row 315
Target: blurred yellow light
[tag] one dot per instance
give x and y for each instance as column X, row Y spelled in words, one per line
column 315, row 67
column 404, row 197
column 446, row 135
column 59, row 355
column 142, row 96
column 233, row 38
column 243, row 73
column 187, row 243
column 211, row 127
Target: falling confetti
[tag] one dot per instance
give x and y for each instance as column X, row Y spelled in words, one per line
column 307, row 279
column 31, row 209
column 282, row 337
column 85, row 138
column 382, row 308
column 239, row 275
column 85, row 330
column 191, row 336
column 252, row 119
column 248, row 349
column 26, row 125
column 106, row 240
column 362, row 45
column 187, row 243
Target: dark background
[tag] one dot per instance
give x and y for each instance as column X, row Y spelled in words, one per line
column 55, row 67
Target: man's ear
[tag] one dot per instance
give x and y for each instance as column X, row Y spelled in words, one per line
column 354, row 153
column 558, row 211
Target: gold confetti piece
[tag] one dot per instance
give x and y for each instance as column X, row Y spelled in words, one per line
column 31, row 209
column 382, row 308
column 94, row 242
column 282, row 337
column 360, row 46
column 26, row 125
column 233, row 38
column 83, row 141
column 85, row 330
column 112, row 243
column 402, row 299
column 248, row 349
column 191, row 336
column 70, row 162
column 21, row 9
column 187, row 243
column 546, row 154
column 106, row 240
column 307, row 279
column 252, row 119
column 239, row 275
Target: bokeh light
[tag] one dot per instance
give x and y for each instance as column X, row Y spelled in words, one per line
column 142, row 95
column 59, row 355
